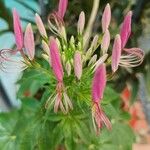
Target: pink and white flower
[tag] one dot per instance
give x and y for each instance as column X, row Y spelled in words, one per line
column 98, row 87
column 125, row 57
column 61, row 99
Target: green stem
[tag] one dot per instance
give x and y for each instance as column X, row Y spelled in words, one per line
column 88, row 31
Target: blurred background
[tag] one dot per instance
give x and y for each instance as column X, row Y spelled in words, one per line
column 135, row 90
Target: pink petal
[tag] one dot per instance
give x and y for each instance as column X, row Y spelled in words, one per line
column 78, row 65
column 106, row 17
column 40, row 25
column 56, row 60
column 116, row 53
column 81, row 22
column 29, row 42
column 17, row 30
column 99, row 83
column 100, row 118
column 105, row 41
column 126, row 29
column 62, row 8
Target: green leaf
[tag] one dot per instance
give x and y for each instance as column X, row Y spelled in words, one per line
column 122, row 136
column 8, row 137
column 109, row 95
column 38, row 79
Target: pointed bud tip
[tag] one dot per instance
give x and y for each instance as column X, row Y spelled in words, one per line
column 130, row 13
column 29, row 25
column 106, row 17
column 36, row 14
column 108, row 5
column 118, row 36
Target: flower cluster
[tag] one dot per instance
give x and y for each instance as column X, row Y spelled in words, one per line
column 77, row 54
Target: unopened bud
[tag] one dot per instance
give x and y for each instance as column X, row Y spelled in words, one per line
column 68, row 68
column 78, row 65
column 81, row 22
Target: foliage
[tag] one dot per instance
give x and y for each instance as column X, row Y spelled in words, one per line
column 34, row 127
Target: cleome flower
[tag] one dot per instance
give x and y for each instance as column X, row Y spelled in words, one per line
column 72, row 59
column 61, row 100
column 24, row 46
column 55, row 19
column 98, row 87
column 125, row 57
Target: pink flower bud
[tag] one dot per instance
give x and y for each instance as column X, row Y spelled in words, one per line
column 106, row 17
column 29, row 42
column 126, row 29
column 17, row 30
column 56, row 60
column 40, row 25
column 78, row 65
column 81, row 22
column 116, row 53
column 68, row 68
column 132, row 57
column 62, row 8
column 105, row 41
column 99, row 83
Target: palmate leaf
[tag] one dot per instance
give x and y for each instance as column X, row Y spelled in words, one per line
column 25, row 128
column 33, row 128
column 7, row 136
column 36, row 136
column 122, row 136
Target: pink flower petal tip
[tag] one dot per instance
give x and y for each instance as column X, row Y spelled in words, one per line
column 126, row 29
column 62, row 8
column 56, row 60
column 116, row 53
column 106, row 17
column 81, row 22
column 29, row 42
column 17, row 30
column 99, row 83
column 40, row 25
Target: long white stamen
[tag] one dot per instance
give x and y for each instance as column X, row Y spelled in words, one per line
column 99, row 62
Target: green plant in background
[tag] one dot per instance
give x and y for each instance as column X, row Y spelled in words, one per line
column 62, row 94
